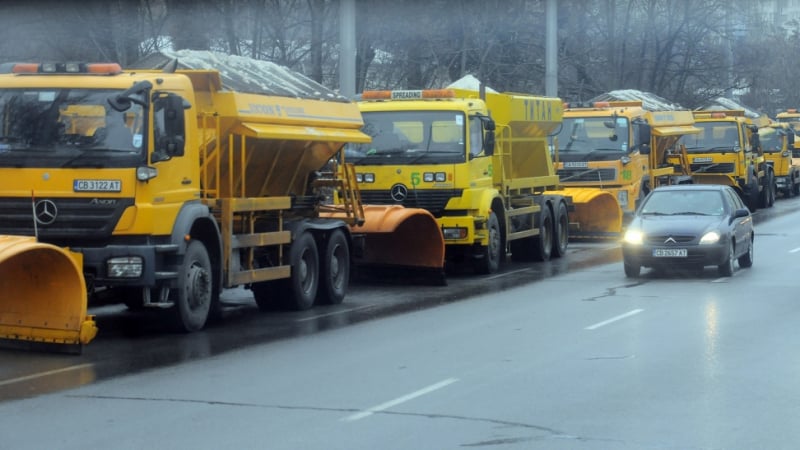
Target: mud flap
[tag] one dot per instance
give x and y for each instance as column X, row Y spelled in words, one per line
column 596, row 214
column 43, row 296
column 405, row 239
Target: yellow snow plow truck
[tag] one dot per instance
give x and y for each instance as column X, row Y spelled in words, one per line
column 160, row 186
column 727, row 151
column 614, row 147
column 478, row 161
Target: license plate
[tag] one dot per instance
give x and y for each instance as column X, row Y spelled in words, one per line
column 97, row 185
column 669, row 252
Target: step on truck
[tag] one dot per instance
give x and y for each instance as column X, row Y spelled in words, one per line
column 478, row 161
column 159, row 187
column 605, row 147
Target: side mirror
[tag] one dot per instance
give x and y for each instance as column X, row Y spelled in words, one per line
column 489, row 143
column 739, row 213
column 170, row 127
column 645, row 134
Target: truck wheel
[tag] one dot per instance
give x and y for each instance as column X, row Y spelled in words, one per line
column 544, row 242
column 796, row 187
column 561, row 231
column 334, row 270
column 489, row 259
column 303, row 283
column 193, row 294
column 773, row 190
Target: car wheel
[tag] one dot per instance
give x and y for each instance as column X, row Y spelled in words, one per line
column 746, row 260
column 632, row 270
column 726, row 269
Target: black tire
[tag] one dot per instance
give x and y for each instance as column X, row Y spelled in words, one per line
column 561, row 231
column 304, row 281
column 795, row 187
column 746, row 260
column 334, row 270
column 773, row 190
column 752, row 195
column 194, row 292
column 544, row 241
column 632, row 270
column 489, row 259
column 726, row 269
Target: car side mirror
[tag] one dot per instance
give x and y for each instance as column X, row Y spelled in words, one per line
column 743, row 212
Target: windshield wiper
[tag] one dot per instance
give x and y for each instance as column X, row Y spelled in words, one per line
column 75, row 161
column 689, row 213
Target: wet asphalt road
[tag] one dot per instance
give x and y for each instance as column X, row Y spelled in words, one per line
column 134, row 342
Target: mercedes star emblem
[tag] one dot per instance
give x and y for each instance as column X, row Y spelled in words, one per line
column 45, row 211
column 399, row 192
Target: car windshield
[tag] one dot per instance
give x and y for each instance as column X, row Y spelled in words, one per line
column 411, row 137
column 56, row 127
column 696, row 202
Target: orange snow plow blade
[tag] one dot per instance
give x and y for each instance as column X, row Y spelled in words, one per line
column 596, row 214
column 43, row 295
column 407, row 239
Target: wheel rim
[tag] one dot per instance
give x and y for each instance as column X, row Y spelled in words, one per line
column 494, row 243
column 305, row 276
column 198, row 287
column 336, row 274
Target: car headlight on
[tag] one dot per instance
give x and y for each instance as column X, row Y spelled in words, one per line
column 712, row 237
column 634, row 237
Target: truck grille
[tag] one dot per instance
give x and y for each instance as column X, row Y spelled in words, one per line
column 83, row 218
column 432, row 200
column 587, row 175
column 713, row 168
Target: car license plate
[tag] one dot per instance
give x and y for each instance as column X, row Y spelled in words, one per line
column 97, row 185
column 669, row 252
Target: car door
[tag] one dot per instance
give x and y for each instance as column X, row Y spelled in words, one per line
column 741, row 226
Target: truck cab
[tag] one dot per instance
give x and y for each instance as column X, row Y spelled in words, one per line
column 727, row 151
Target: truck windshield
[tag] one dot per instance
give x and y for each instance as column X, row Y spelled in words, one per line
column 716, row 137
column 593, row 138
column 771, row 140
column 51, row 128
column 411, row 137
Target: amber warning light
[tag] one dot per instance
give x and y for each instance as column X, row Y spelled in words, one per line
column 72, row 67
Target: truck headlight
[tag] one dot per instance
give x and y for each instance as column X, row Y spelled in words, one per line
column 125, row 267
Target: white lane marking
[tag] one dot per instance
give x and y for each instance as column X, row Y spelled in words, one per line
column 614, row 319
column 44, row 374
column 399, row 400
column 794, row 250
column 507, row 274
column 304, row 319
